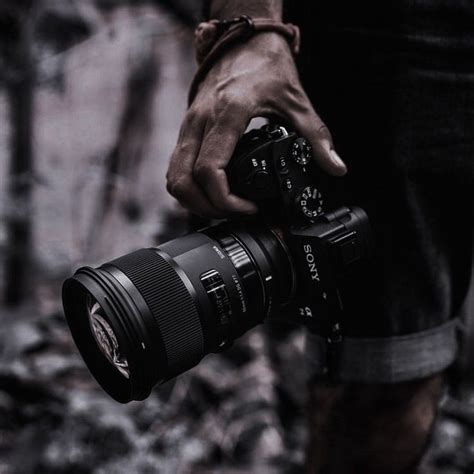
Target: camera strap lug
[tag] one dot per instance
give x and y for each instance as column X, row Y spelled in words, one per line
column 276, row 132
column 333, row 349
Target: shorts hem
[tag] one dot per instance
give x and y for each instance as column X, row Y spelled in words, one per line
column 384, row 360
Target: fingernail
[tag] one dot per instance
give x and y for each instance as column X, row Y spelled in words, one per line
column 337, row 160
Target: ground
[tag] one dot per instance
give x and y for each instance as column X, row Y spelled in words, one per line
column 240, row 411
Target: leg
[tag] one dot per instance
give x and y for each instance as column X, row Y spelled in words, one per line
column 370, row 428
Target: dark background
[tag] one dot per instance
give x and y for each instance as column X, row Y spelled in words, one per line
column 91, row 96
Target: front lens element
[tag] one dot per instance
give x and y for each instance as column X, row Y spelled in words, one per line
column 106, row 338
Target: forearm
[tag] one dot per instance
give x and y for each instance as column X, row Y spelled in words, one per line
column 254, row 8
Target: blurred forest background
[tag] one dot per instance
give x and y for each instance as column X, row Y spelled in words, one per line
column 91, row 97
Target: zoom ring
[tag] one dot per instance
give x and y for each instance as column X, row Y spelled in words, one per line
column 171, row 305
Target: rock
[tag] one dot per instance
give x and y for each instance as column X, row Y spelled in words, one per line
column 20, row 337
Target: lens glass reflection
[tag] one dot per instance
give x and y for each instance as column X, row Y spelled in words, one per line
column 106, row 339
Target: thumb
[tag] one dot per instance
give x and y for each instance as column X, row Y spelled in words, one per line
column 310, row 126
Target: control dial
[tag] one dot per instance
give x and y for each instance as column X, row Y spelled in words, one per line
column 301, row 151
column 310, row 201
column 261, row 180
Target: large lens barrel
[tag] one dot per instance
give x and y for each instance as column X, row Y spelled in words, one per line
column 152, row 314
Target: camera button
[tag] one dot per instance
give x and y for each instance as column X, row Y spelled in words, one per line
column 261, row 180
column 288, row 184
column 282, row 165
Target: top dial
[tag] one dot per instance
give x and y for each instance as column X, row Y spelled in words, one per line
column 310, row 201
column 301, row 151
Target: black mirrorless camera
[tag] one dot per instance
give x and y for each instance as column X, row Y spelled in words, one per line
column 148, row 316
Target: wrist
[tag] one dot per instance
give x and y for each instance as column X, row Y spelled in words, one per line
column 267, row 44
column 214, row 38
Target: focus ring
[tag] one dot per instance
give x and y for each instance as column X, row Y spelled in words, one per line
column 170, row 304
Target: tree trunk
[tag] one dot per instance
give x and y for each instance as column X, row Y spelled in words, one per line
column 20, row 92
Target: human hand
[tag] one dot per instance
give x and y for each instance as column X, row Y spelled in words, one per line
column 255, row 79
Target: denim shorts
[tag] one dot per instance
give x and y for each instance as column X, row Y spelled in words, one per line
column 394, row 83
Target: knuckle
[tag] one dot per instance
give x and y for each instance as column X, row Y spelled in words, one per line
column 183, row 148
column 196, row 115
column 224, row 96
column 240, row 110
column 177, row 187
column 236, row 106
column 292, row 93
column 293, row 86
column 192, row 112
column 323, row 132
column 202, row 172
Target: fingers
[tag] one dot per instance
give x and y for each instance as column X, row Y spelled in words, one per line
column 180, row 183
column 191, row 197
column 310, row 126
column 196, row 176
column 208, row 137
column 209, row 169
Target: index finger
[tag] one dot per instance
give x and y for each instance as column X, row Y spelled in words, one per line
column 209, row 169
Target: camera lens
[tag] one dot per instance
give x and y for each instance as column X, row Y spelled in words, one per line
column 148, row 316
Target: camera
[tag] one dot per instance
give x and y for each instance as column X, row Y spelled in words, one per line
column 148, row 316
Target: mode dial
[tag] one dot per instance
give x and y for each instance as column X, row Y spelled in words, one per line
column 310, row 201
column 301, row 151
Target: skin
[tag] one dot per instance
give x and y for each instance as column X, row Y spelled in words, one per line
column 255, row 79
column 354, row 428
column 370, row 428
